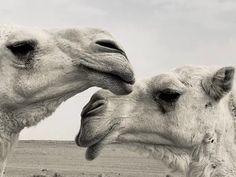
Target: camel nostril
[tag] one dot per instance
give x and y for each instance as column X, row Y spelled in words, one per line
column 109, row 46
column 93, row 108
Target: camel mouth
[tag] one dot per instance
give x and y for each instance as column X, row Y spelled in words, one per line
column 91, row 112
column 90, row 136
column 117, row 82
column 83, row 141
column 94, row 146
column 126, row 78
column 109, row 70
column 85, row 137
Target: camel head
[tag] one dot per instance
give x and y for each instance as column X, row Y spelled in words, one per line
column 175, row 116
column 45, row 67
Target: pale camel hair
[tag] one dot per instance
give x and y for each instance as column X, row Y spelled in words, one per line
column 184, row 117
column 39, row 69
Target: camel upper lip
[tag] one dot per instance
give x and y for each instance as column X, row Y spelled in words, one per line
column 113, row 63
column 97, row 139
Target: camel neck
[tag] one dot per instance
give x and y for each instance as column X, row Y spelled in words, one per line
column 232, row 108
column 10, row 126
column 213, row 158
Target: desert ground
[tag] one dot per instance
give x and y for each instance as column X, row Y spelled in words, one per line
column 65, row 159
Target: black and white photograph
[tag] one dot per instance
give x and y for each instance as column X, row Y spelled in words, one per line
column 126, row 88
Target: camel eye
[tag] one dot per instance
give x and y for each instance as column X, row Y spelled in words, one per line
column 23, row 50
column 169, row 96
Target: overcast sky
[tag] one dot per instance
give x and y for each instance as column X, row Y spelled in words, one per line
column 157, row 35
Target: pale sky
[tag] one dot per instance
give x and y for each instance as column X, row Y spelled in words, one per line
column 157, row 35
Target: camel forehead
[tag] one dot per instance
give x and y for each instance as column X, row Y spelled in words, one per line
column 194, row 70
column 11, row 33
column 15, row 33
column 81, row 35
column 5, row 31
column 165, row 80
column 191, row 75
column 186, row 76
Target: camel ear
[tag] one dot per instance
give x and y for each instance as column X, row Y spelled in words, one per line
column 220, row 83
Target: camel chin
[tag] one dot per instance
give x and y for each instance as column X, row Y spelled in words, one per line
column 185, row 117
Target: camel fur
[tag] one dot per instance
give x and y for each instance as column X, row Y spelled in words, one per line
column 41, row 68
column 185, row 117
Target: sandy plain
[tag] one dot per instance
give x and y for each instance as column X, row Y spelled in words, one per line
column 65, row 159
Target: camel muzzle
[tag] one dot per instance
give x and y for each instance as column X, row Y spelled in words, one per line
column 95, row 107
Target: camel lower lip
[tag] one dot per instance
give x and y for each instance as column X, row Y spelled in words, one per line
column 114, row 76
column 106, row 80
column 93, row 151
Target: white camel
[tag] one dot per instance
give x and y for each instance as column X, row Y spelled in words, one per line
column 39, row 69
column 185, row 117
